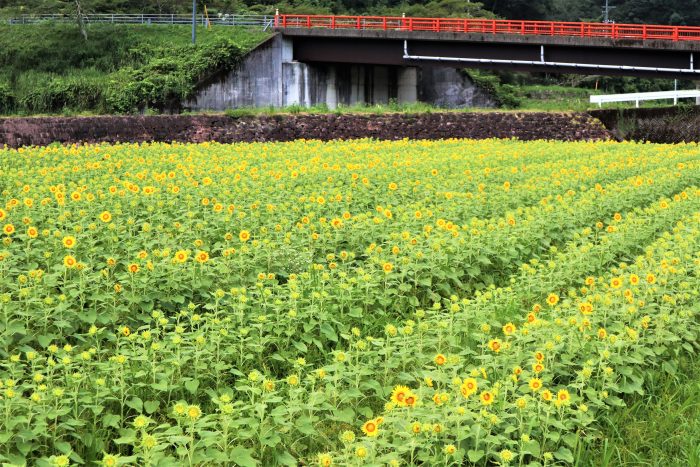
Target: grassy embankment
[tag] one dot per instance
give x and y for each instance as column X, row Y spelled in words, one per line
column 50, row 68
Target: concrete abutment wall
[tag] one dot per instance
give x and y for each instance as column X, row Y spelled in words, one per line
column 270, row 77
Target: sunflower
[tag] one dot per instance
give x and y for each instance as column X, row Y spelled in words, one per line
column 180, row 256
column 486, row 397
column 535, row 384
column 616, row 282
column 440, row 359
column 495, row 345
column 325, row 460
column 370, row 428
column 387, row 267
column 585, row 308
column 509, row 329
column 133, row 268
column 506, row 456
column 9, row 229
column 69, row 241
column 32, row 232
column 109, row 460
column 194, row 412
column 552, row 299
column 399, row 394
column 106, row 216
column 468, row 387
column 411, row 400
column 547, row 395
column 69, row 261
column 563, row 397
column 202, row 257
column 244, row 236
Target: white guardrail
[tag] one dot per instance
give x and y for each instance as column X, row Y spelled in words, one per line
column 261, row 21
column 644, row 96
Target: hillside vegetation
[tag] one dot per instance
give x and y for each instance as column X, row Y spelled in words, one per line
column 119, row 69
column 681, row 12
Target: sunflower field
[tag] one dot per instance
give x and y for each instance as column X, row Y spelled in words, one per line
column 343, row 303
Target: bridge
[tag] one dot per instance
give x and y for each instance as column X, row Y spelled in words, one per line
column 654, row 51
column 540, row 46
column 320, row 59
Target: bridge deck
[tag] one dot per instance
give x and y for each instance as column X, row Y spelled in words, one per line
column 499, row 38
column 491, row 26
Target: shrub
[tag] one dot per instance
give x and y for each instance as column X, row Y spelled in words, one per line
column 7, row 99
column 504, row 94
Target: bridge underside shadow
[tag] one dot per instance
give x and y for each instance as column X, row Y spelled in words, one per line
column 650, row 59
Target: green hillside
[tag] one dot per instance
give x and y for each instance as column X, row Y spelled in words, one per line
column 51, row 68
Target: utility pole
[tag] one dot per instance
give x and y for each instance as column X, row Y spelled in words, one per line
column 194, row 21
column 606, row 11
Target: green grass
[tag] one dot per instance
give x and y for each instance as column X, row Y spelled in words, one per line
column 552, row 98
column 661, row 428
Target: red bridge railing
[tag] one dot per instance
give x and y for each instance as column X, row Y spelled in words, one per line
column 490, row 26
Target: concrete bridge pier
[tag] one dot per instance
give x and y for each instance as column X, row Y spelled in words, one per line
column 357, row 85
column 407, row 85
column 331, row 89
column 380, row 85
column 272, row 76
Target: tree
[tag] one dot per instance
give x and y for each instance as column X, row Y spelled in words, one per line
column 520, row 9
column 677, row 12
column 446, row 9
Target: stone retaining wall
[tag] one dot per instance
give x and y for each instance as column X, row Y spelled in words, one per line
column 657, row 125
column 16, row 132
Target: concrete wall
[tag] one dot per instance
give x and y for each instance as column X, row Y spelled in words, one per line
column 269, row 76
column 451, row 88
column 255, row 82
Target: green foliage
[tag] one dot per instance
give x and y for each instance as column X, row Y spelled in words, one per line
column 504, row 94
column 166, row 81
column 659, row 428
column 149, row 320
column 75, row 92
column 119, row 69
column 7, row 98
column 520, row 9
column 240, row 112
